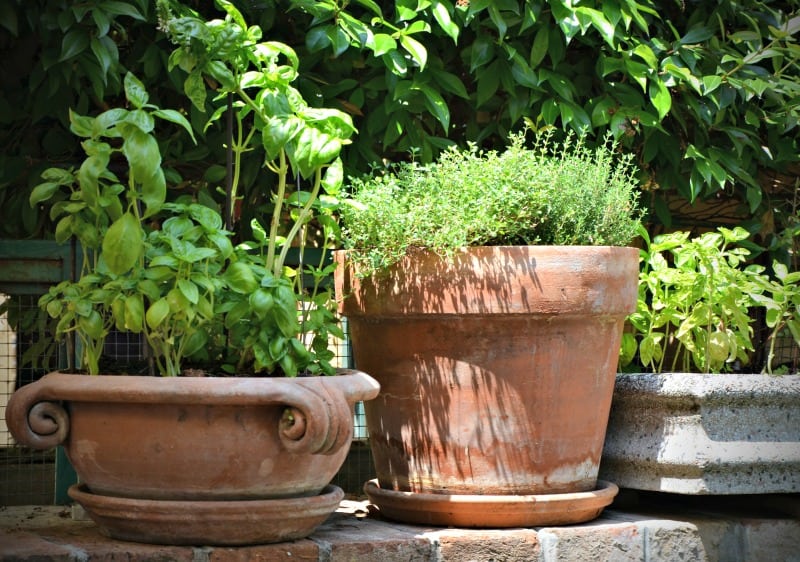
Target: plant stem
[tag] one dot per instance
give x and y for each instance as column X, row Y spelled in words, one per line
column 283, row 171
column 302, row 219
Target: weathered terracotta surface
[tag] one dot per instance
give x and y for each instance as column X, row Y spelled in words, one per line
column 492, row 511
column 193, row 438
column 496, row 369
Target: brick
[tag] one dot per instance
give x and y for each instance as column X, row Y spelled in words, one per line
column 610, row 542
column 297, row 551
column 672, row 541
column 667, row 530
column 345, row 538
column 779, row 538
column 20, row 546
column 509, row 545
column 83, row 542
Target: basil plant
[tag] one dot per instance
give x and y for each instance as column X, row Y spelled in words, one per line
column 171, row 269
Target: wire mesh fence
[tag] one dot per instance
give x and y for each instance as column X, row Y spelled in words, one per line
column 27, row 476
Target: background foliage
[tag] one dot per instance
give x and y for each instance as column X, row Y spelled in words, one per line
column 703, row 93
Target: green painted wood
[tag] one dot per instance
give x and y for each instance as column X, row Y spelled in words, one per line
column 65, row 477
column 30, row 267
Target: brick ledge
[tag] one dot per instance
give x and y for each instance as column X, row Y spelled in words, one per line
column 638, row 527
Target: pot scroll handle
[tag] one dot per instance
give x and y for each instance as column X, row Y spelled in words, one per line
column 36, row 421
column 316, row 420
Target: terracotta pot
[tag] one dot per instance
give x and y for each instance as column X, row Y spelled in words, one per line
column 496, row 368
column 194, row 439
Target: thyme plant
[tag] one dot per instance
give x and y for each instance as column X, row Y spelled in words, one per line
column 542, row 193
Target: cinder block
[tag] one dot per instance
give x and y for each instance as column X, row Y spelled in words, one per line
column 771, row 540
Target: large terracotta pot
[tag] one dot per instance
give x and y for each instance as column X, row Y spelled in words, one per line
column 163, row 447
column 496, row 370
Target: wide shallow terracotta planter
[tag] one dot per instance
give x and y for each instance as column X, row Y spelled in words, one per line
column 496, row 371
column 197, row 460
column 691, row 433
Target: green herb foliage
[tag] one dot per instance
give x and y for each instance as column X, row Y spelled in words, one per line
column 546, row 193
column 781, row 301
column 696, row 296
column 171, row 270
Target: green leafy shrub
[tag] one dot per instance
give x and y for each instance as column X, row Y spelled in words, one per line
column 704, row 93
column 548, row 193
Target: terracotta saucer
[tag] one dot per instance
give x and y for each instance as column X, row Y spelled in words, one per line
column 492, row 511
column 188, row 522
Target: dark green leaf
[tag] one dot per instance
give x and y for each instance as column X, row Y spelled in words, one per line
column 697, row 35
column 104, row 58
column 540, row 45
column 8, row 18
column 75, row 42
column 121, row 9
column 481, row 52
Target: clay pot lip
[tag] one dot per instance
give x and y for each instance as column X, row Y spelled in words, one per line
column 495, row 280
column 355, row 385
column 341, row 257
column 126, row 508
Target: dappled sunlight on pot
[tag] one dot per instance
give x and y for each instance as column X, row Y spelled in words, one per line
column 487, row 417
column 496, row 368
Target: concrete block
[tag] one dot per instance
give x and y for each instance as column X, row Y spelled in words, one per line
column 704, row 434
